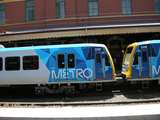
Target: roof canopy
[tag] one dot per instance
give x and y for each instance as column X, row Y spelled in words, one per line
column 80, row 31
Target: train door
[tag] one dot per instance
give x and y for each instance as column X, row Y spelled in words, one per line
column 61, row 72
column 99, row 64
column 71, row 74
column 144, row 61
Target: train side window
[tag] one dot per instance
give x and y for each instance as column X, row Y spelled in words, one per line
column 61, row 63
column 12, row 63
column 107, row 61
column 153, row 53
column 71, row 61
column 1, row 64
column 136, row 59
column 30, row 62
column 144, row 56
column 98, row 58
column 129, row 50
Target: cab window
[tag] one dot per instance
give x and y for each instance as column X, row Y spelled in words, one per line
column 144, row 56
column 127, row 55
column 98, row 58
column 155, row 49
column 135, row 59
column 129, row 50
column 107, row 61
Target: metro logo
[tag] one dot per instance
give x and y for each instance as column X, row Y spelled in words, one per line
column 72, row 74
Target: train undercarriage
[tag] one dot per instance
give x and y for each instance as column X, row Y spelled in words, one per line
column 73, row 88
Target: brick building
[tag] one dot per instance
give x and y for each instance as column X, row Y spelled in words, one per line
column 115, row 23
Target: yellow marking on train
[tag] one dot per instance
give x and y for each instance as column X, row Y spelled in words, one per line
column 128, row 73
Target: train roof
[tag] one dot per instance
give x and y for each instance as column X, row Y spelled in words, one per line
column 145, row 42
column 53, row 46
column 148, row 42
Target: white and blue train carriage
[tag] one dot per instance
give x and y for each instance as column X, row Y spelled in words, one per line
column 56, row 64
column 142, row 61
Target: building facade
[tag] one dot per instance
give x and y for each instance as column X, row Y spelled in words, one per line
column 17, row 15
column 115, row 23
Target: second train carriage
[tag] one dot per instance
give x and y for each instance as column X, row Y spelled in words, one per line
column 142, row 61
column 56, row 64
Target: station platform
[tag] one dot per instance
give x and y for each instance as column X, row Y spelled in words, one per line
column 96, row 112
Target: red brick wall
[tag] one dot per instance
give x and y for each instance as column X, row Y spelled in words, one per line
column 40, row 9
column 142, row 6
column 45, row 13
column 109, row 7
column 86, row 21
column 70, row 8
column 15, row 12
column 82, row 8
column 50, row 7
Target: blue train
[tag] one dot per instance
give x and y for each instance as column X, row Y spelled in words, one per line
column 56, row 64
column 142, row 61
column 52, row 65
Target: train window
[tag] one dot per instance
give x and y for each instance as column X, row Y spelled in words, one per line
column 155, row 49
column 144, row 56
column 30, row 62
column 88, row 52
column 71, row 61
column 98, row 58
column 1, row 64
column 61, row 63
column 129, row 50
column 12, row 63
column 128, row 55
column 136, row 59
column 153, row 53
column 107, row 61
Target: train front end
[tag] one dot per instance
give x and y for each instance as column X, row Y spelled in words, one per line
column 127, row 61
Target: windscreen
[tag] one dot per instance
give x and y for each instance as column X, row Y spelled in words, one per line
column 127, row 56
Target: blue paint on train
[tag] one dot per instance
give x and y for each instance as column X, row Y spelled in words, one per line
column 155, row 60
column 147, row 55
column 89, row 63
